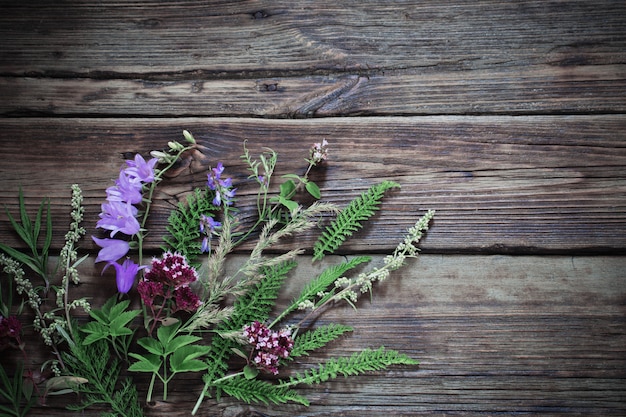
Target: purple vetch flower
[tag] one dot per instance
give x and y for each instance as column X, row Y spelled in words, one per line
column 119, row 216
column 222, row 187
column 112, row 249
column 140, row 169
column 208, row 226
column 125, row 274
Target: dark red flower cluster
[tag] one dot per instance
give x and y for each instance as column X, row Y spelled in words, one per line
column 167, row 282
column 10, row 328
column 269, row 346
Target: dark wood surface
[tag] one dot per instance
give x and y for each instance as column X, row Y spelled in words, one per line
column 505, row 117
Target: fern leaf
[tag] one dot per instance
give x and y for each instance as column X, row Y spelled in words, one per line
column 95, row 364
column 254, row 390
column 254, row 305
column 350, row 218
column 183, row 225
column 317, row 338
column 360, row 362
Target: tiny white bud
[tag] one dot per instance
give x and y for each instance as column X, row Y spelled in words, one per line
column 189, row 137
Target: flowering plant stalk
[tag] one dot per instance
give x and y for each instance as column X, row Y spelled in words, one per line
column 187, row 321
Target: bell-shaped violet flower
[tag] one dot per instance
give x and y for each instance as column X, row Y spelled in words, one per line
column 112, row 249
column 118, row 216
column 125, row 189
column 125, row 274
column 141, row 170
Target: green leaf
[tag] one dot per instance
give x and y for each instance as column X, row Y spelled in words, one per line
column 287, row 188
column 178, row 342
column 151, row 345
column 250, row 372
column 166, row 333
column 317, row 338
column 290, row 204
column 313, row 189
column 184, row 359
column 118, row 323
column 117, row 308
column 146, row 363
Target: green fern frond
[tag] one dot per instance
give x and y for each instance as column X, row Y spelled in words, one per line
column 254, row 390
column 350, row 218
column 317, row 338
column 102, row 371
column 360, row 362
column 183, row 225
column 254, row 305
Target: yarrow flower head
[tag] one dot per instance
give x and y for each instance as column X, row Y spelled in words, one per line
column 269, row 346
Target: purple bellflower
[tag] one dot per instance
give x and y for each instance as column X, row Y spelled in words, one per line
column 125, row 274
column 125, row 189
column 112, row 249
column 140, row 169
column 119, row 216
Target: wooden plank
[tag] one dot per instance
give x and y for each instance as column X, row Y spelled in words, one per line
column 520, row 90
column 499, row 184
column 127, row 38
column 495, row 335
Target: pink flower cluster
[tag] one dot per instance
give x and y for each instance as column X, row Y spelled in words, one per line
column 269, row 346
column 167, row 283
column 319, row 152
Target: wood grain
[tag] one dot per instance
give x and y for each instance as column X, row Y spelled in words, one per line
column 505, row 117
column 538, row 89
column 96, row 39
column 499, row 184
column 494, row 334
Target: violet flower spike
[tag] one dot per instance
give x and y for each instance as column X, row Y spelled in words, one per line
column 112, row 249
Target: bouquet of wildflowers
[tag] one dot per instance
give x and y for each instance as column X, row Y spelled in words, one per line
column 193, row 316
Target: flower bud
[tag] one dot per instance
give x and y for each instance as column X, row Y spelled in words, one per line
column 189, row 137
column 175, row 146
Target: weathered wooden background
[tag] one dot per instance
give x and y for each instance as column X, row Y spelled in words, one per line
column 507, row 117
